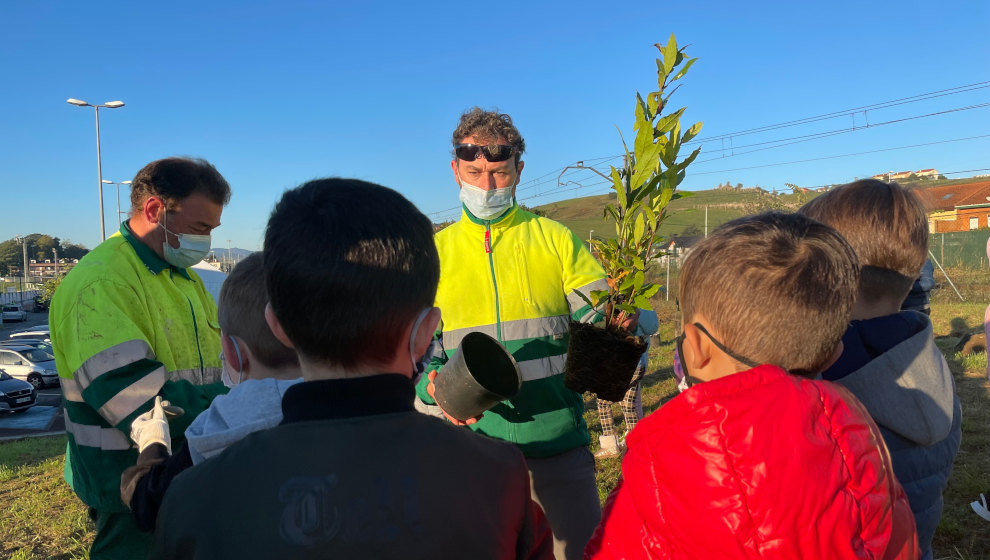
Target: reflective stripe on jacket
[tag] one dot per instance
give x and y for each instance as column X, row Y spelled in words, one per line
column 125, row 327
column 515, row 279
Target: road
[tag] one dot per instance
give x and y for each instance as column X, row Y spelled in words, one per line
column 46, row 416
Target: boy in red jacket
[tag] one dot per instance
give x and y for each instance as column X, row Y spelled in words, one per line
column 760, row 461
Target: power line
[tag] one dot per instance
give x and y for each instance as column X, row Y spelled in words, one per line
column 845, row 112
column 844, row 155
column 818, row 135
column 549, row 177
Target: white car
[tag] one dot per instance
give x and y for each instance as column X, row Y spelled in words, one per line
column 29, row 364
column 40, row 332
column 14, row 312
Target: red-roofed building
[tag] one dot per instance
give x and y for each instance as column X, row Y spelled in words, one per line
column 957, row 207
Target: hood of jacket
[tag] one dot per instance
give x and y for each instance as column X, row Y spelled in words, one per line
column 250, row 406
column 905, row 384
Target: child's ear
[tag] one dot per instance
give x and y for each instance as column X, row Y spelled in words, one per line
column 275, row 326
column 237, row 361
column 426, row 330
column 697, row 348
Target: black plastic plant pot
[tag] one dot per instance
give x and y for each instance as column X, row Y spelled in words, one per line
column 601, row 361
column 479, row 375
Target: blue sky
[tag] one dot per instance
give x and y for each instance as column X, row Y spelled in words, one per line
column 276, row 94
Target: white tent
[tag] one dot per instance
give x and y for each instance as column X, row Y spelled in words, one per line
column 212, row 277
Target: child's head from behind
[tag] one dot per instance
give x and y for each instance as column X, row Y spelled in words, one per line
column 241, row 313
column 776, row 288
column 349, row 266
column 886, row 226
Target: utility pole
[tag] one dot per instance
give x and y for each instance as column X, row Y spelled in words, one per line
column 668, row 276
column 24, row 269
column 230, row 261
column 55, row 253
column 706, row 222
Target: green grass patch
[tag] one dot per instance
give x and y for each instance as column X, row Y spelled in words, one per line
column 44, row 519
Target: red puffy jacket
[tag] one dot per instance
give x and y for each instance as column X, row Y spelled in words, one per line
column 759, row 464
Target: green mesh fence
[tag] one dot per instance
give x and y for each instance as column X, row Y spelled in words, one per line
column 960, row 249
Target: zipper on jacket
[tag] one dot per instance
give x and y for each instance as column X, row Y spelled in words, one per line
column 199, row 347
column 491, row 269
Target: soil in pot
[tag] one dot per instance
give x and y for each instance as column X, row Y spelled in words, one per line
column 601, row 361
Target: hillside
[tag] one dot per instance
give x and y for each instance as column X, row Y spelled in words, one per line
column 686, row 215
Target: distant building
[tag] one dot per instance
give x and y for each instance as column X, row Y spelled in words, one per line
column 957, row 207
column 892, row 176
column 45, row 269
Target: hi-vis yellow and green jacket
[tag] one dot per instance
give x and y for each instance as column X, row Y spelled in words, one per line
column 514, row 279
column 126, row 326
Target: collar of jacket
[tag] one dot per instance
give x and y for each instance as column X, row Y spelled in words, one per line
column 328, row 399
column 151, row 260
column 502, row 220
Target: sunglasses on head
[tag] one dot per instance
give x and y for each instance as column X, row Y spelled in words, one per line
column 492, row 153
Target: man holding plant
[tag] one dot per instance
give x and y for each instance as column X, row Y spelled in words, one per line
column 514, row 276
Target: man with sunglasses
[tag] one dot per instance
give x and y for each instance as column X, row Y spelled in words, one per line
column 132, row 322
column 515, row 276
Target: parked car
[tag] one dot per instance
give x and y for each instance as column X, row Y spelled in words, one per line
column 35, row 366
column 14, row 312
column 32, row 342
column 40, row 332
column 15, row 395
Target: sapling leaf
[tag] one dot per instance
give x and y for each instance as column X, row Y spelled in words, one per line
column 649, row 290
column 683, row 70
column 670, row 54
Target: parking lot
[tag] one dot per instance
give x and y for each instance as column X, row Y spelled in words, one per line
column 46, row 415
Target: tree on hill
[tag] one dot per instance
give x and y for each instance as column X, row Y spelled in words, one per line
column 690, row 230
column 537, row 211
column 72, row 250
column 39, row 247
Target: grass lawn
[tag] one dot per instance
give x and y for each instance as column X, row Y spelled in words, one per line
column 44, row 519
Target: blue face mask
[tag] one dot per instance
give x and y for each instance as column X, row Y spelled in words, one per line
column 420, row 365
column 484, row 204
column 191, row 250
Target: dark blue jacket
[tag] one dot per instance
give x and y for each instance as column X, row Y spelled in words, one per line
column 892, row 365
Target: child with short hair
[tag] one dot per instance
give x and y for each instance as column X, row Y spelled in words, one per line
column 264, row 368
column 889, row 358
column 756, row 459
column 353, row 471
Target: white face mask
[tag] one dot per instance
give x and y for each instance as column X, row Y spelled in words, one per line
column 192, row 248
column 484, row 204
column 225, row 373
column 420, row 366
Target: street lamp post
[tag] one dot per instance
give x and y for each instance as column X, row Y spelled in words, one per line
column 591, row 235
column 106, row 182
column 24, row 271
column 99, row 163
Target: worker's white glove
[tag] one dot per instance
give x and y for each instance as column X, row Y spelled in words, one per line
column 151, row 427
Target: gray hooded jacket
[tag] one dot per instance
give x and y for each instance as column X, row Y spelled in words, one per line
column 908, row 389
column 250, row 406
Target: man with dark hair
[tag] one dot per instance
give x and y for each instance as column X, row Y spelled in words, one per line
column 515, row 276
column 132, row 322
column 353, row 471
column 257, row 368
